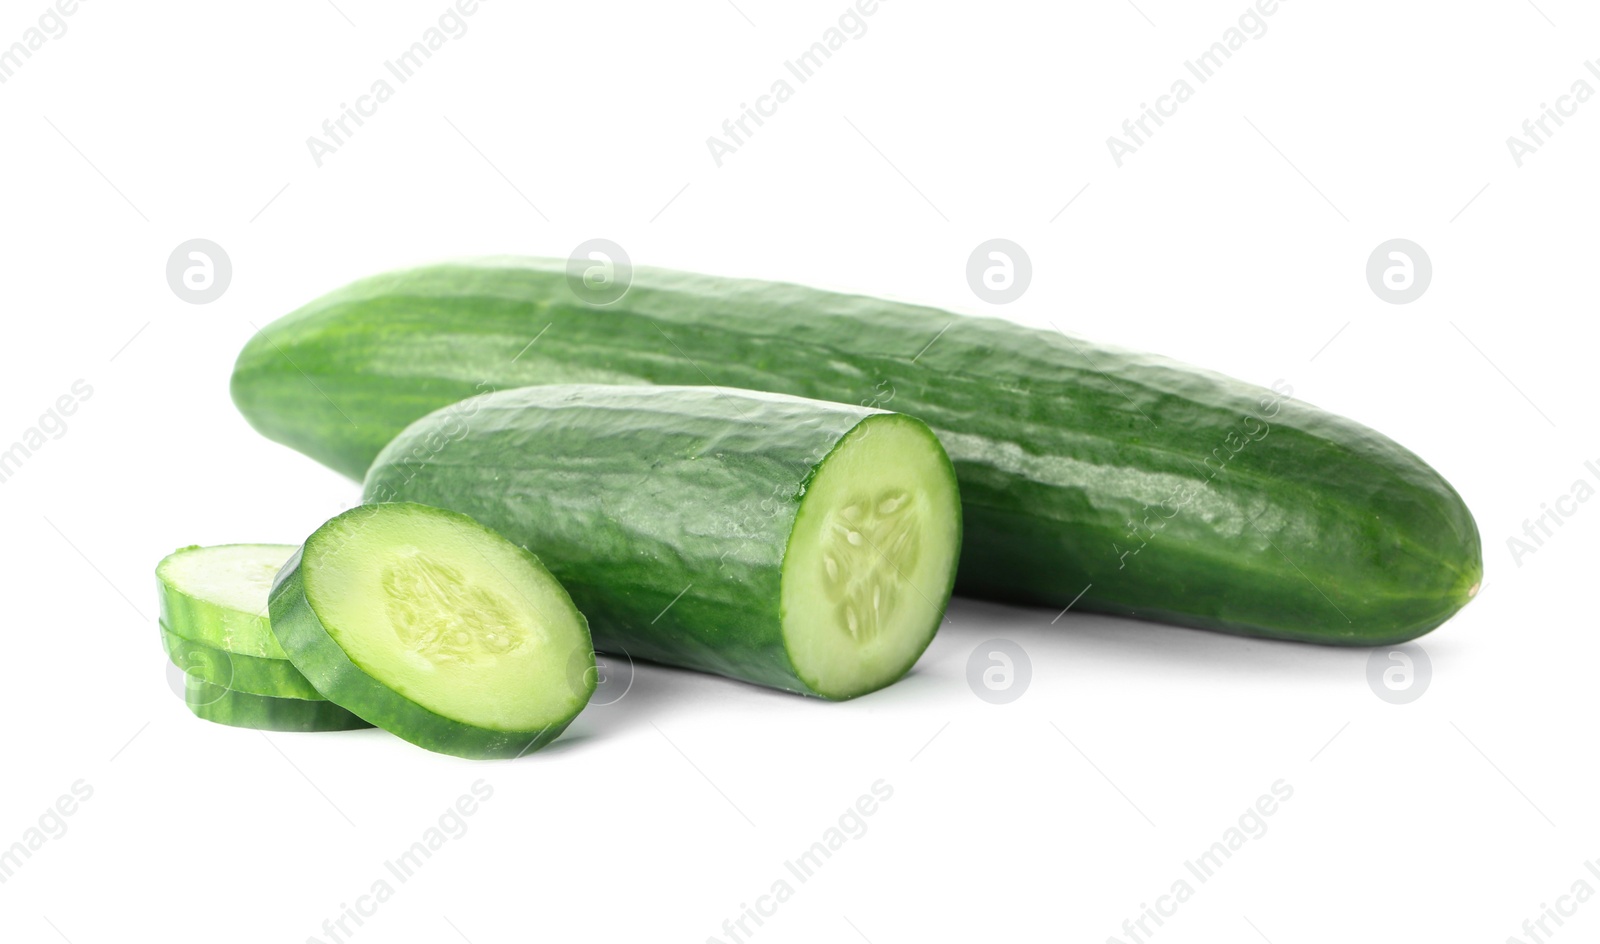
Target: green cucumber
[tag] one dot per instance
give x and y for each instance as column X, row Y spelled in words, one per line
column 793, row 543
column 217, row 596
column 1090, row 476
column 253, row 675
column 242, row 710
column 435, row 628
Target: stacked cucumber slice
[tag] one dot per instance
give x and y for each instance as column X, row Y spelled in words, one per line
column 215, row 628
column 414, row 619
column 244, row 710
column 252, row 675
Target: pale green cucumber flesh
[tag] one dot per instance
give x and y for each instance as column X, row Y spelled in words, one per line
column 429, row 625
column 217, row 596
column 252, row 675
column 243, row 710
column 793, row 543
column 871, row 560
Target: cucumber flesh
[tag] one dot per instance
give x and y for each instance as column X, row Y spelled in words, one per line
column 217, row 596
column 242, row 710
column 435, row 628
column 253, row 675
column 871, row 559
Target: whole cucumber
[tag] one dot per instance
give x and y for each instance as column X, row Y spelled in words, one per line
column 1151, row 488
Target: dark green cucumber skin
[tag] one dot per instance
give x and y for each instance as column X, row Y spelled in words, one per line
column 251, row 675
column 1324, row 530
column 243, row 710
column 666, row 513
column 319, row 657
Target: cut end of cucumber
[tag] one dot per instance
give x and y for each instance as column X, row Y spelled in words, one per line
column 473, row 635
column 871, row 562
column 232, row 576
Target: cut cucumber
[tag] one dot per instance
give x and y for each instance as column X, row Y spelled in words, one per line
column 871, row 560
column 252, row 675
column 243, row 710
column 1091, row 477
column 217, row 596
column 431, row 626
column 793, row 543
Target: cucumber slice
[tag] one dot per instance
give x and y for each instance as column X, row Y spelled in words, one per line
column 431, row 626
column 242, row 710
column 253, row 675
column 217, row 596
column 794, row 543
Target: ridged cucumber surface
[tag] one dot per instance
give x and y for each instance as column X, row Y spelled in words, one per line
column 1128, row 483
column 793, row 543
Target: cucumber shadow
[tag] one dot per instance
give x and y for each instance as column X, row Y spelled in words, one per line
column 1093, row 644
column 634, row 694
column 1071, row 650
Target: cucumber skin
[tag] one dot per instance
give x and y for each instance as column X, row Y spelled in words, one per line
column 250, row 675
column 318, row 656
column 242, row 710
column 666, row 513
column 1323, row 531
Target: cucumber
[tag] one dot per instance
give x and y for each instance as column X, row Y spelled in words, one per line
column 435, row 628
column 217, row 596
column 253, row 675
column 802, row 545
column 1150, row 488
column 241, row 710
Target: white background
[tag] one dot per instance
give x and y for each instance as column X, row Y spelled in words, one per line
column 1237, row 238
